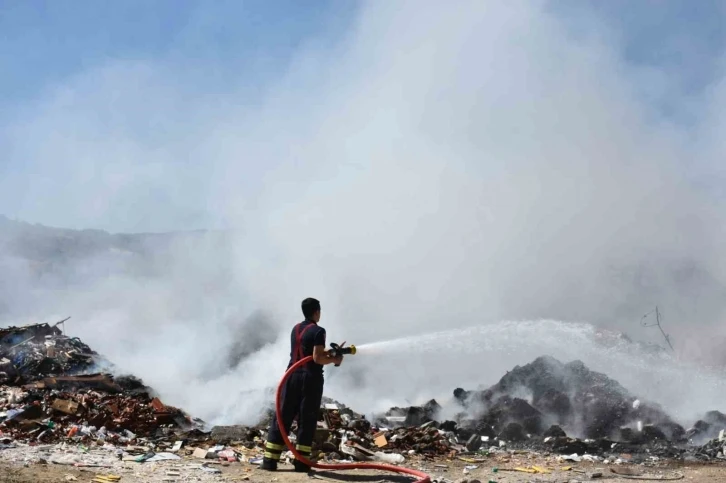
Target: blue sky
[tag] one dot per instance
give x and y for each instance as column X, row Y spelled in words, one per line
column 44, row 42
column 683, row 39
column 209, row 56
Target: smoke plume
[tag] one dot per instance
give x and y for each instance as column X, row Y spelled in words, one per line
column 441, row 168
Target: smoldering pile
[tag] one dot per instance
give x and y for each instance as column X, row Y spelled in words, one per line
column 565, row 408
column 546, row 406
column 51, row 392
column 532, row 398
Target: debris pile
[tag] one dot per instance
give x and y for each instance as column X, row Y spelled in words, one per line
column 51, row 392
column 709, row 427
column 714, row 449
column 535, row 406
column 36, row 351
column 571, row 396
column 343, row 433
column 46, row 396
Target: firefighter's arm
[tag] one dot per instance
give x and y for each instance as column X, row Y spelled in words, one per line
column 323, row 357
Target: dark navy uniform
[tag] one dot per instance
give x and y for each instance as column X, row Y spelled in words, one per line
column 301, row 396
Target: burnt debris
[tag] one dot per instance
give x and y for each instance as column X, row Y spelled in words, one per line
column 580, row 401
column 49, row 392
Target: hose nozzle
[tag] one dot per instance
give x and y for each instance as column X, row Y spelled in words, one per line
column 340, row 350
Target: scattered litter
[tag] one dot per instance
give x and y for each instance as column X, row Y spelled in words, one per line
column 106, row 479
column 531, row 469
column 471, row 460
column 163, row 457
column 208, row 469
column 391, row 458
column 573, row 457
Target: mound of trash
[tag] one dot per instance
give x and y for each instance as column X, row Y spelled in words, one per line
column 35, row 351
column 546, row 405
column 532, row 398
column 50, row 392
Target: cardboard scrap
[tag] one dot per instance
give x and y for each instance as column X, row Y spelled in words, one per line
column 65, row 406
column 380, row 439
column 200, row 453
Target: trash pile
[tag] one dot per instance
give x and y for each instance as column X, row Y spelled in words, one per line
column 48, row 396
column 570, row 396
column 51, row 394
column 344, row 434
column 709, row 427
column 535, row 406
column 36, row 351
column 713, row 449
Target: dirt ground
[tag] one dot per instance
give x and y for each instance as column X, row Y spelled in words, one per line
column 446, row 469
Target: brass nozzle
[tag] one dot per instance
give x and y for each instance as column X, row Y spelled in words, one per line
column 352, row 349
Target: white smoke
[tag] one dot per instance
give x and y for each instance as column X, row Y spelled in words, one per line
column 440, row 168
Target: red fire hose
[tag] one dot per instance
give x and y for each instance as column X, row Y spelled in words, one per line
column 422, row 477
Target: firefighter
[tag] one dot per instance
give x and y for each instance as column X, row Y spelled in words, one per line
column 303, row 391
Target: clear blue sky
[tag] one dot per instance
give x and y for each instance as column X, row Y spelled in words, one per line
column 216, row 47
column 44, row 42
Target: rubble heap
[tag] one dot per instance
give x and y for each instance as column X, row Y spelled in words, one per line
column 710, row 426
column 571, row 396
column 533, row 406
column 35, row 351
column 48, row 395
column 343, row 433
column 713, row 449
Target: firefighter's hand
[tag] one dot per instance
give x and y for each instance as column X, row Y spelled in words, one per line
column 337, row 360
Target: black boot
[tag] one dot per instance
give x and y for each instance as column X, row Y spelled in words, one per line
column 268, row 464
column 300, row 467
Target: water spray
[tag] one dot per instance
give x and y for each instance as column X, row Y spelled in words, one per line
column 335, row 351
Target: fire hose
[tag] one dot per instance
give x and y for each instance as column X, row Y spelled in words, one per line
column 337, row 350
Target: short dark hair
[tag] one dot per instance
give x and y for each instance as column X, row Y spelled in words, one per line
column 309, row 307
